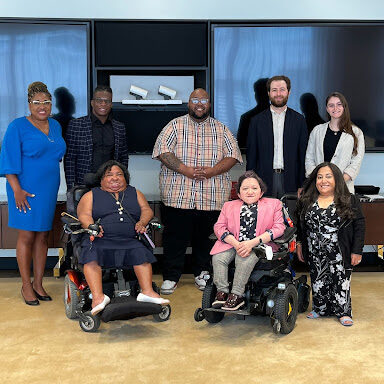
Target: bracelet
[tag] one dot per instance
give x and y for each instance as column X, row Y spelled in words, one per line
column 224, row 235
column 270, row 233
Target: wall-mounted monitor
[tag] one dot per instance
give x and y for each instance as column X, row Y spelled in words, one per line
column 54, row 53
column 319, row 59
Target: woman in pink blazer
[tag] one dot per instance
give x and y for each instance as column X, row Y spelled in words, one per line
column 242, row 225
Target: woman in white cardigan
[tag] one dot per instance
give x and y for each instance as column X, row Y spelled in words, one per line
column 337, row 141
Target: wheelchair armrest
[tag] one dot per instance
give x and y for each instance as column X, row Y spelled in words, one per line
column 155, row 224
column 70, row 221
column 286, row 236
column 212, row 236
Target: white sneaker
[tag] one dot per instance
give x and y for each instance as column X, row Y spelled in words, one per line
column 168, row 287
column 201, row 280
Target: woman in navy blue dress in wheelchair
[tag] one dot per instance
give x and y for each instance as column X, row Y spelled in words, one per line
column 242, row 225
column 330, row 236
column 116, row 245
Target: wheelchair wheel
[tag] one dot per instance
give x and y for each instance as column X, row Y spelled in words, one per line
column 208, row 298
column 164, row 315
column 89, row 323
column 286, row 309
column 71, row 298
column 199, row 315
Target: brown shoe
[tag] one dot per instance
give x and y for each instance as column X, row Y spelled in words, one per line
column 233, row 302
column 220, row 299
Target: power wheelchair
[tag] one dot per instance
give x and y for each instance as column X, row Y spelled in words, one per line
column 272, row 289
column 120, row 285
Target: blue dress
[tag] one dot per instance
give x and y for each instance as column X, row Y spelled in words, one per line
column 119, row 246
column 34, row 158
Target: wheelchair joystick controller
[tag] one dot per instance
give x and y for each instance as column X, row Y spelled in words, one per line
column 94, row 230
column 267, row 249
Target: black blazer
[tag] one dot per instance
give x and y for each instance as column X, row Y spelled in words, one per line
column 350, row 234
column 78, row 159
column 260, row 148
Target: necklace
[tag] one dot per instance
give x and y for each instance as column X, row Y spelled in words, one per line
column 118, row 202
column 333, row 131
column 51, row 140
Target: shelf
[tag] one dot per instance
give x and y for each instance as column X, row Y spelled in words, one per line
column 151, row 102
column 150, row 107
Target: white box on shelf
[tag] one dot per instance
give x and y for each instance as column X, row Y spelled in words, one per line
column 120, row 84
column 151, row 102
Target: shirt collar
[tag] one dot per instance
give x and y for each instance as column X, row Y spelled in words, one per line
column 279, row 114
column 201, row 122
column 94, row 118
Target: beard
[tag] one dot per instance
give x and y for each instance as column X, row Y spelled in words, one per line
column 196, row 117
column 279, row 104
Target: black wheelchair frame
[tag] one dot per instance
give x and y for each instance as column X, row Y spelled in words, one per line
column 121, row 285
column 271, row 290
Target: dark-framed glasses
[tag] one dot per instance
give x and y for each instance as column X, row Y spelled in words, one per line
column 37, row 102
column 100, row 100
column 195, row 100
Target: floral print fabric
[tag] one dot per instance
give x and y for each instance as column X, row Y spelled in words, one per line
column 248, row 220
column 330, row 280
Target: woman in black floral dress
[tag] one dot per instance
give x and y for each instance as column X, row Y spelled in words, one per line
column 331, row 231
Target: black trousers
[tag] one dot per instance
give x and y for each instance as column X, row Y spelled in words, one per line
column 181, row 228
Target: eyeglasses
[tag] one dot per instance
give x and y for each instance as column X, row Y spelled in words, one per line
column 99, row 100
column 37, row 102
column 195, row 100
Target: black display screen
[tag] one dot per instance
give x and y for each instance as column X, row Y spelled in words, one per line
column 150, row 44
column 319, row 59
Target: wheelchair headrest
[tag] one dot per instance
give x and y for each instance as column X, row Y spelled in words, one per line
column 90, row 180
column 75, row 194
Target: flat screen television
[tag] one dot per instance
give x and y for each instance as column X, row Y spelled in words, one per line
column 318, row 58
column 54, row 53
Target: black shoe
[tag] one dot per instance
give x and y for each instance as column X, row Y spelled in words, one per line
column 29, row 302
column 233, row 303
column 42, row 298
column 220, row 299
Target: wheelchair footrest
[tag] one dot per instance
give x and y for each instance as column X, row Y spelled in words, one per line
column 125, row 308
column 242, row 312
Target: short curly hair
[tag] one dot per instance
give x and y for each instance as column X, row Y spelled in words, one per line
column 253, row 175
column 107, row 166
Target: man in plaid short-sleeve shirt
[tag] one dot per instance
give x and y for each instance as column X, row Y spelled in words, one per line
column 196, row 152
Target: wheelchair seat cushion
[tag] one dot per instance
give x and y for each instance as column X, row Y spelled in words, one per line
column 126, row 307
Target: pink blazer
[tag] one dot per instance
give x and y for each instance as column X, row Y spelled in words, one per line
column 269, row 216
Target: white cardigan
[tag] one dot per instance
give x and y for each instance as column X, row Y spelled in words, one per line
column 343, row 157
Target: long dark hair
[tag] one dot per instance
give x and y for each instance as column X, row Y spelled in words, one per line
column 342, row 196
column 345, row 123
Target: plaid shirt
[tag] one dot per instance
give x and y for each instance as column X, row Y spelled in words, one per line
column 196, row 145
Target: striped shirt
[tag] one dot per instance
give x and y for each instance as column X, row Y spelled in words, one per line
column 196, row 145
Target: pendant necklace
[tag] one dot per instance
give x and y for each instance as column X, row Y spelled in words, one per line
column 118, row 202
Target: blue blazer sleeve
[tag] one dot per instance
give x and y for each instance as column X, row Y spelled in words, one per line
column 10, row 156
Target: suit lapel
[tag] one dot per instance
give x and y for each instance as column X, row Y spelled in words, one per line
column 287, row 134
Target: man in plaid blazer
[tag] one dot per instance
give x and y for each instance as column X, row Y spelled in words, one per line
column 94, row 139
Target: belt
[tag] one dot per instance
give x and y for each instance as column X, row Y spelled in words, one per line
column 278, row 170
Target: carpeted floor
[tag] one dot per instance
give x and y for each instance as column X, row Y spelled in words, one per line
column 40, row 345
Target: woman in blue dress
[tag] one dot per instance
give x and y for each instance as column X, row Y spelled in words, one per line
column 31, row 151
